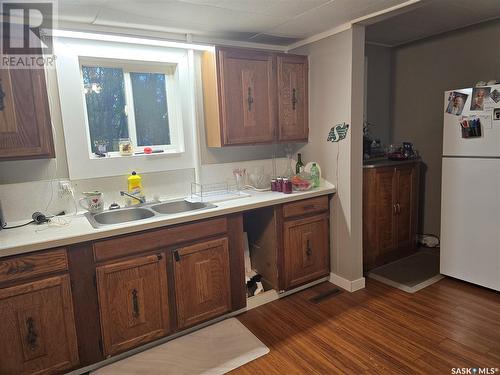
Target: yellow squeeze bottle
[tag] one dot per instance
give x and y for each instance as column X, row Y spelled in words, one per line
column 135, row 188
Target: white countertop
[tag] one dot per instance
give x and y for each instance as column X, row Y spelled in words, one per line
column 38, row 237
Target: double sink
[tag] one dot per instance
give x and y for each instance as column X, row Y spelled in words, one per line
column 144, row 211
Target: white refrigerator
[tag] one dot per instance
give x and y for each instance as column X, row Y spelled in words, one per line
column 470, row 197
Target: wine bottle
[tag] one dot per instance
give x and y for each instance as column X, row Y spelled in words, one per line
column 299, row 167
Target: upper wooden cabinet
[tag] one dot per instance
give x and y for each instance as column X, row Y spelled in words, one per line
column 133, row 302
column 38, row 327
column 390, row 205
column 202, row 282
column 292, row 98
column 254, row 97
column 25, row 127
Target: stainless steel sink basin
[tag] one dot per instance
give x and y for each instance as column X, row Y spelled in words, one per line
column 119, row 216
column 179, row 206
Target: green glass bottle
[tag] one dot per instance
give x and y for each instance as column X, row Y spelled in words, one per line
column 315, row 175
column 299, row 167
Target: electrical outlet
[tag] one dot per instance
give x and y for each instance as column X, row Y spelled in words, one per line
column 65, row 188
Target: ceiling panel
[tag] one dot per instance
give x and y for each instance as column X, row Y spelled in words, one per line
column 330, row 16
column 433, row 18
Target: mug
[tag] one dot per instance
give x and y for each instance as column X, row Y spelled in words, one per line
column 92, row 201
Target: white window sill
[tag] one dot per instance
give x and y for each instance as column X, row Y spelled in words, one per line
column 116, row 155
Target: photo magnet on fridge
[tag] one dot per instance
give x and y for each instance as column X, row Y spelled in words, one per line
column 496, row 114
column 479, row 97
column 495, row 96
column 456, row 103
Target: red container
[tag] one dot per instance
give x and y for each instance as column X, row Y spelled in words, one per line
column 287, row 186
column 279, row 184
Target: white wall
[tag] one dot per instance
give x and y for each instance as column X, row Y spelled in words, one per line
column 336, row 80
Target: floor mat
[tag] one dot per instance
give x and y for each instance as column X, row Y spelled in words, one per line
column 412, row 273
column 215, row 349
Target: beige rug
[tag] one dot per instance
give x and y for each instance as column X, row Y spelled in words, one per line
column 215, row 349
column 412, row 273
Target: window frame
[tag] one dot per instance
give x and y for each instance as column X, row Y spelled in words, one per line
column 69, row 51
column 173, row 101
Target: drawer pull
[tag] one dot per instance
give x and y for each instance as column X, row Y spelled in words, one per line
column 309, row 207
column 294, row 98
column 159, row 256
column 177, row 256
column 309, row 250
column 135, row 303
column 250, row 99
column 32, row 336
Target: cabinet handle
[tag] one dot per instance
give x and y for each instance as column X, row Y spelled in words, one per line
column 32, row 336
column 250, row 99
column 294, row 98
column 177, row 256
column 135, row 303
column 398, row 207
column 2, row 96
column 309, row 250
column 159, row 256
column 394, row 209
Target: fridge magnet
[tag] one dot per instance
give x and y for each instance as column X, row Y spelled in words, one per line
column 470, row 128
column 456, row 103
column 479, row 96
column 496, row 114
column 495, row 96
column 338, row 132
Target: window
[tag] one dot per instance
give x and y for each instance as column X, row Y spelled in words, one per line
column 124, row 101
column 111, row 89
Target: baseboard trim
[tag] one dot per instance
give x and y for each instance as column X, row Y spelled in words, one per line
column 350, row 286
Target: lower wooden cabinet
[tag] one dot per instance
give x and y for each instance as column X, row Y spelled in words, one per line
column 306, row 250
column 202, row 282
column 37, row 327
column 133, row 302
column 390, row 213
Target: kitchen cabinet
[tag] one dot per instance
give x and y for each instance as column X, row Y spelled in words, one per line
column 202, row 281
column 133, row 302
column 38, row 328
column 25, row 126
column 292, row 98
column 390, row 209
column 254, row 97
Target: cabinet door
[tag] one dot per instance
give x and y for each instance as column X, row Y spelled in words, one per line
column 133, row 302
column 385, row 182
column 292, row 98
column 37, row 327
column 407, row 185
column 202, row 284
column 306, row 250
column 247, row 95
column 25, row 127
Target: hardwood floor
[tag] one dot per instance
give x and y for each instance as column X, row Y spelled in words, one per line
column 378, row 330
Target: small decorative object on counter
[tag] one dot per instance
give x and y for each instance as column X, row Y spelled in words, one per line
column 92, row 201
column 299, row 167
column 279, row 184
column 239, row 175
column 148, row 150
column 274, row 185
column 315, row 175
column 135, row 188
column 125, row 147
column 287, row 186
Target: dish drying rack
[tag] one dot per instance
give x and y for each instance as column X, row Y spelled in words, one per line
column 214, row 192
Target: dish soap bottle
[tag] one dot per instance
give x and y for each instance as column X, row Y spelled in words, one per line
column 315, row 175
column 135, row 189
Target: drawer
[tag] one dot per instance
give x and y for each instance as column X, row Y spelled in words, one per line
column 33, row 265
column 305, row 207
column 156, row 239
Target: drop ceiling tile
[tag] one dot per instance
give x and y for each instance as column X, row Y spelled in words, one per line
column 331, row 15
column 178, row 15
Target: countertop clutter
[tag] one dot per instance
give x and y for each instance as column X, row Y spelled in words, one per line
column 37, row 237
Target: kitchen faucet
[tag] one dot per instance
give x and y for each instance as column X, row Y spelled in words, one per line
column 142, row 200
